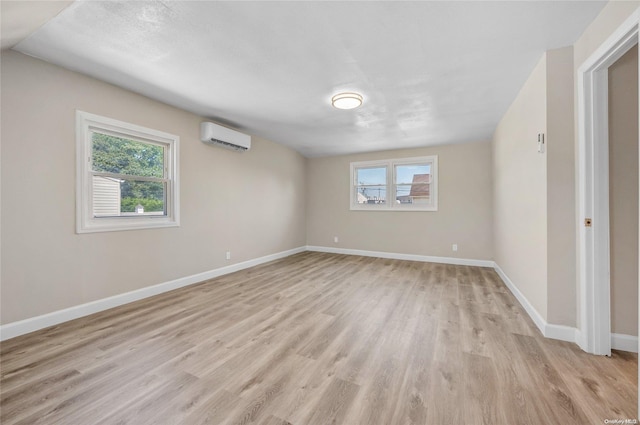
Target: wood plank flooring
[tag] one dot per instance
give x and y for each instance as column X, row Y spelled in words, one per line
column 315, row 339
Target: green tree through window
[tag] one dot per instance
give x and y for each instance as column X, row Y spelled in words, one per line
column 125, row 157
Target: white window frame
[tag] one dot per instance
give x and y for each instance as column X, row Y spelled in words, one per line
column 86, row 123
column 390, row 165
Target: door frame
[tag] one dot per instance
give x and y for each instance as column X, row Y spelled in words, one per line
column 593, row 194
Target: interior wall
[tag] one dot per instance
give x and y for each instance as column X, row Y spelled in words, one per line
column 520, row 191
column 252, row 204
column 561, row 215
column 623, row 192
column 463, row 216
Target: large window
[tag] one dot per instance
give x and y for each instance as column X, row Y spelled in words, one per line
column 408, row 184
column 127, row 176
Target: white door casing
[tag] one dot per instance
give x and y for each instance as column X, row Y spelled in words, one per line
column 593, row 188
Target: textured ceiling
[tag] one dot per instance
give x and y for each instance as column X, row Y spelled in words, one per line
column 430, row 72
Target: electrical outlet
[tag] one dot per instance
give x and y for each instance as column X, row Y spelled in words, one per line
column 455, row 247
column 335, row 239
column 228, row 255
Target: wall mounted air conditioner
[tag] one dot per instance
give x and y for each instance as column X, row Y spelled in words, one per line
column 214, row 134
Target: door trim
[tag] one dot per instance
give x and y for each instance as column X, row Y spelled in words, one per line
column 593, row 193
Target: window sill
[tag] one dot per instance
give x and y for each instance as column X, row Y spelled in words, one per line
column 122, row 224
column 385, row 208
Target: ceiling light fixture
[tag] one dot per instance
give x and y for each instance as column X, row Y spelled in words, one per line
column 346, row 100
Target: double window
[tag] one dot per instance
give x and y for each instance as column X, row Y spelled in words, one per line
column 408, row 184
column 127, row 176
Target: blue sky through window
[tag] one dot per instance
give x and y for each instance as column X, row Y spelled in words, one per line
column 378, row 175
column 405, row 173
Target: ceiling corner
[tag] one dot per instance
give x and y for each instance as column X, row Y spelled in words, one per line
column 18, row 19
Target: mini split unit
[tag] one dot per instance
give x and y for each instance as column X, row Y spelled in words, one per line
column 214, row 134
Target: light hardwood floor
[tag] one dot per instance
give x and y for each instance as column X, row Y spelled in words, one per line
column 315, row 339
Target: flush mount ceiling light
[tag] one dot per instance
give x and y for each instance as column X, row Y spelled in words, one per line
column 346, row 100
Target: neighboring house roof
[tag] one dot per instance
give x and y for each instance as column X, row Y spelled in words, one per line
column 419, row 185
column 361, row 198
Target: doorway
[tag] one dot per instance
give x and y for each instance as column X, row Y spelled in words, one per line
column 594, row 191
column 623, row 200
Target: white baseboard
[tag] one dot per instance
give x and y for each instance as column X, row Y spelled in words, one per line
column 11, row 330
column 397, row 256
column 561, row 332
column 524, row 302
column 624, row 342
column 22, row 327
column 548, row 330
column 564, row 333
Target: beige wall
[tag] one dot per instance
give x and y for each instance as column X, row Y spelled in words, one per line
column 463, row 216
column 252, row 204
column 520, row 191
column 623, row 192
column 561, row 224
column 46, row 266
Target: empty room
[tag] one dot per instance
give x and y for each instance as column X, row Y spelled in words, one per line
column 319, row 212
